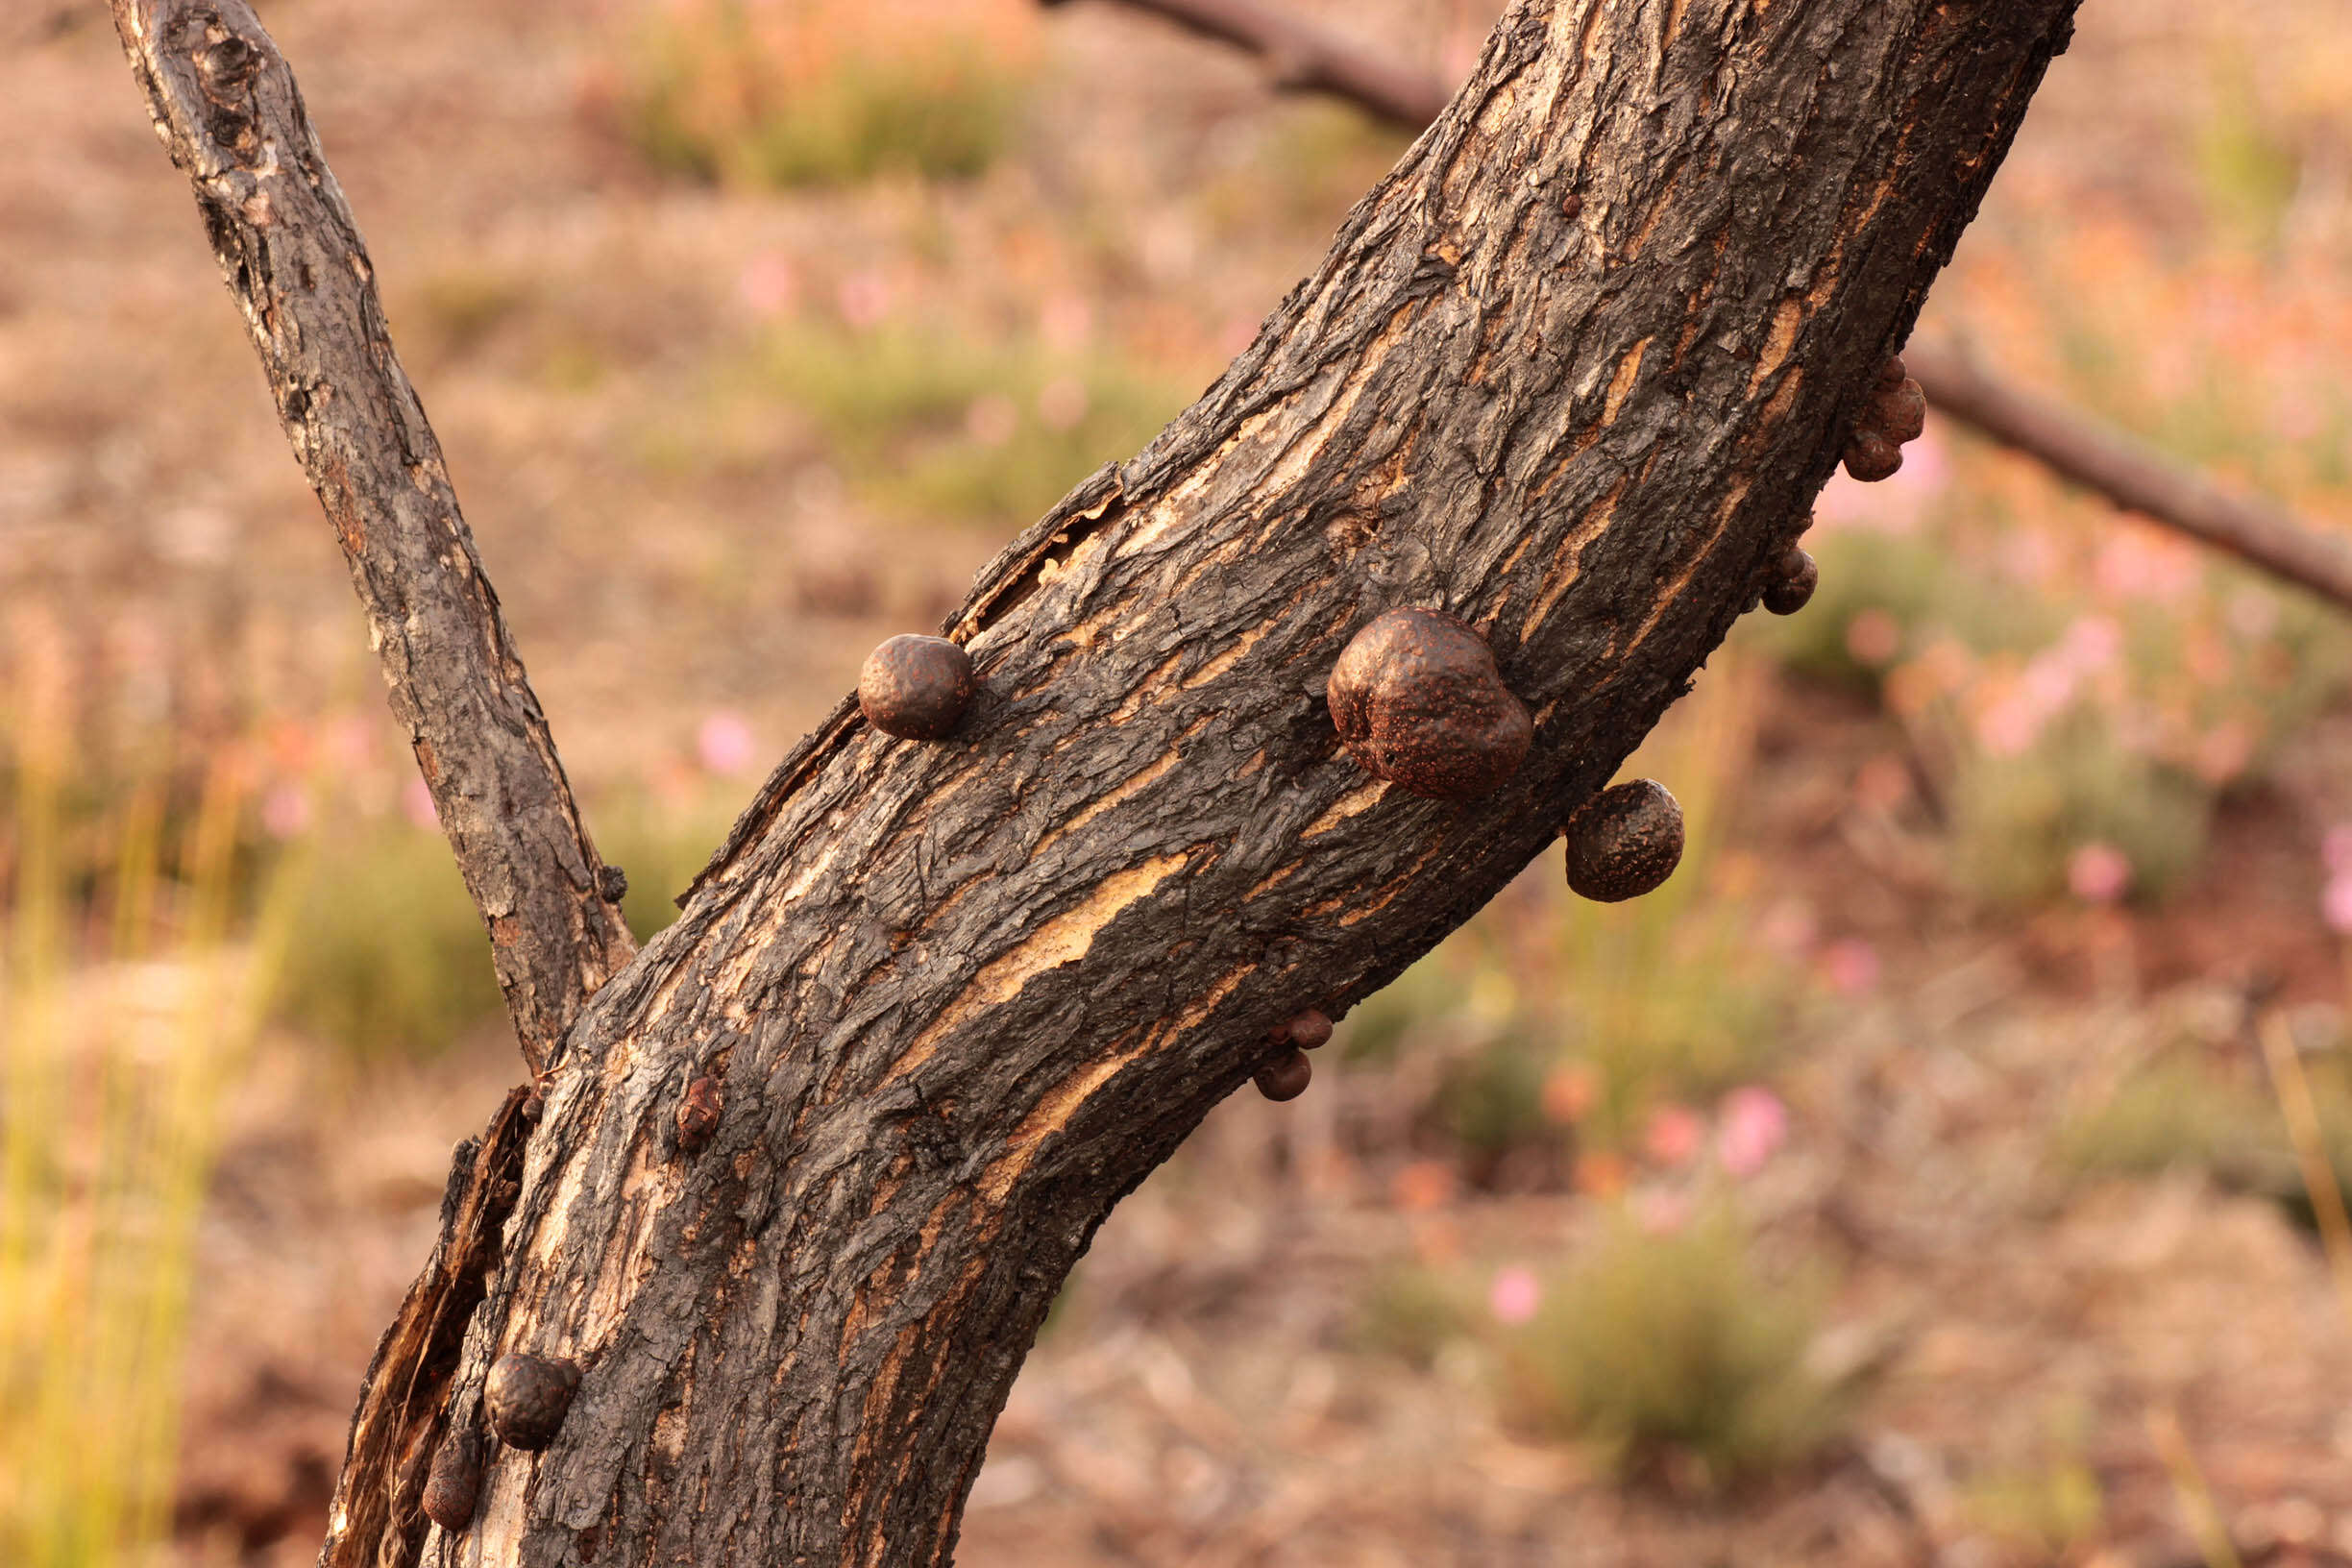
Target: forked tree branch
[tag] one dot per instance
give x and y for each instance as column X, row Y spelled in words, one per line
column 1572, row 373
column 2071, row 444
column 228, row 111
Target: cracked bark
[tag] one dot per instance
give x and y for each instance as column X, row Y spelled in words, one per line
column 1572, row 374
column 228, row 111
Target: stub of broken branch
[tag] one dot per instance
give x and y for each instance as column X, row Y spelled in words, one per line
column 2070, row 443
column 227, row 108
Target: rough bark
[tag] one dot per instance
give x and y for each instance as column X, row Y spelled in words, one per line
column 1573, row 373
column 2068, row 442
column 228, row 111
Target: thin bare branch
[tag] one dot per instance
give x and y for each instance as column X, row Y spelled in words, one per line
column 1306, row 58
column 2131, row 474
column 2070, row 443
column 228, row 110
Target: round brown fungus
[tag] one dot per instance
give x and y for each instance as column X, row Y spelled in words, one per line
column 1286, row 1076
column 455, row 1479
column 1417, row 700
column 526, row 1398
column 916, row 688
column 1871, row 457
column 1795, row 577
column 1624, row 842
column 1899, row 412
column 1310, row 1030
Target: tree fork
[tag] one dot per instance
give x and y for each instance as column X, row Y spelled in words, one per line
column 1572, row 374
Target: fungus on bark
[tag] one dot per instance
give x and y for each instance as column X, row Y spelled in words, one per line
column 455, row 1483
column 1795, row 576
column 1285, row 1077
column 1308, row 1031
column 1419, row 702
column 525, row 1397
column 1624, row 842
column 1896, row 412
column 916, row 688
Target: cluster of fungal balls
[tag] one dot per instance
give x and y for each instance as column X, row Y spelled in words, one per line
column 525, row 1400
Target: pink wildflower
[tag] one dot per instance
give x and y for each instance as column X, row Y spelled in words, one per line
column 1674, row 1134
column 724, row 743
column 1873, row 637
column 1754, row 1125
column 768, row 285
column 2336, row 905
column 285, row 810
column 1850, row 966
column 2098, row 874
column 1514, row 1296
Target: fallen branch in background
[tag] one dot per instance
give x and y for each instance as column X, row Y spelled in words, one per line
column 2072, row 444
column 2132, row 474
column 1306, row 58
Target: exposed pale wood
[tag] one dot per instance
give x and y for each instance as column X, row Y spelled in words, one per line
column 229, row 113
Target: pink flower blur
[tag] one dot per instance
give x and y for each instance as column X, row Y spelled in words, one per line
column 1850, row 966
column 2336, row 848
column 1674, row 1134
column 285, row 810
column 724, row 743
column 2335, row 904
column 417, row 804
column 1662, row 1213
column 1753, row 1126
column 1514, row 1296
column 769, row 286
column 2098, row 874
column 863, row 299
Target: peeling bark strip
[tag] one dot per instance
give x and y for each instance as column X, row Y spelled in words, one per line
column 1573, row 374
column 227, row 108
column 404, row 1401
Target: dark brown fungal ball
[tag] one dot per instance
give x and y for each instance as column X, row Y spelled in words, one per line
column 1624, row 842
column 1793, row 584
column 1285, row 1077
column 1899, row 412
column 1418, row 701
column 525, row 1397
column 1893, row 373
column 1310, row 1030
column 916, row 688
column 1871, row 457
column 697, row 1116
column 456, row 1480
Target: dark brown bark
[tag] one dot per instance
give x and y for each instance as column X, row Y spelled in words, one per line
column 2070, row 443
column 229, row 113
column 2132, row 475
column 1573, row 374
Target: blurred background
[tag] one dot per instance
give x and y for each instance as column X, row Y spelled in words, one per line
column 1941, row 1170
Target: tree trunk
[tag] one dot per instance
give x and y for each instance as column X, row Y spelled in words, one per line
column 1573, row 373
